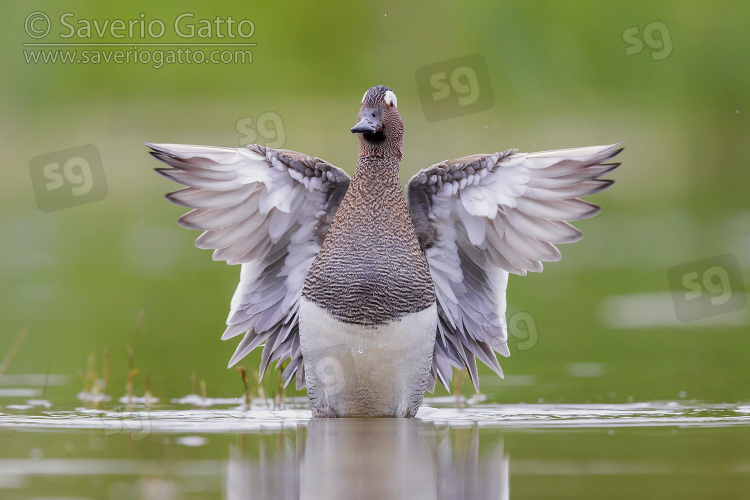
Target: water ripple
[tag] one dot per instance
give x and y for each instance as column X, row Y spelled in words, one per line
column 140, row 419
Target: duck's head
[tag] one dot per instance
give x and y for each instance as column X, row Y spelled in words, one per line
column 379, row 124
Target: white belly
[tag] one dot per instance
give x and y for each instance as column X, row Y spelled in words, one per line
column 357, row 370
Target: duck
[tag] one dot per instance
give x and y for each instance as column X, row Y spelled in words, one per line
column 365, row 295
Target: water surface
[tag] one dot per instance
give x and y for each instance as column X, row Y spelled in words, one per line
column 193, row 448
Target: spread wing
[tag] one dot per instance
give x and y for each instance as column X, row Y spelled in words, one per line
column 269, row 210
column 481, row 217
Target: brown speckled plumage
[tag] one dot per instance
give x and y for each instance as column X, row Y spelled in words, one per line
column 371, row 268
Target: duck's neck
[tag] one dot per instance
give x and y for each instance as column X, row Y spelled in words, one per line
column 391, row 148
column 374, row 191
column 375, row 170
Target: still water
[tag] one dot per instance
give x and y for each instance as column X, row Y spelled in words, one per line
column 194, row 449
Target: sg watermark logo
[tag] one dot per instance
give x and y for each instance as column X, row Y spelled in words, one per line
column 522, row 330
column 267, row 130
column 656, row 37
column 707, row 287
column 67, row 178
column 133, row 420
column 329, row 370
column 454, row 88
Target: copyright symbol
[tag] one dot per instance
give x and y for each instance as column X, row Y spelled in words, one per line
column 37, row 25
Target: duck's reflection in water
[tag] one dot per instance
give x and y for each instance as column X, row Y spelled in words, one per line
column 330, row 459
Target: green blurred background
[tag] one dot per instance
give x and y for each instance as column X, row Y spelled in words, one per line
column 560, row 77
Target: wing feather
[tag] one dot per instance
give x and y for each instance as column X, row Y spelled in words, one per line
column 481, row 217
column 268, row 210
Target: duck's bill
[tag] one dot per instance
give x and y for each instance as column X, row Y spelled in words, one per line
column 368, row 124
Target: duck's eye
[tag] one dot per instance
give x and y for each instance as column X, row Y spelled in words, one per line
column 390, row 99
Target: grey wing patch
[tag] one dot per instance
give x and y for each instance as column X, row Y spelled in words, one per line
column 460, row 338
column 432, row 180
column 312, row 168
column 419, row 207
